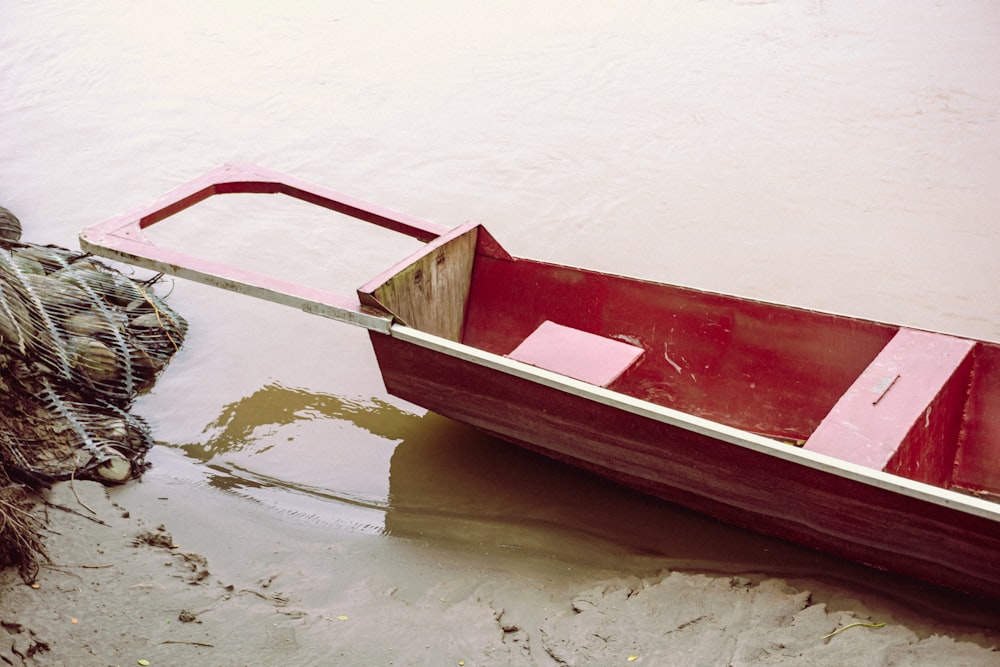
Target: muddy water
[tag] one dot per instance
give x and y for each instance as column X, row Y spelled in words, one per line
column 837, row 156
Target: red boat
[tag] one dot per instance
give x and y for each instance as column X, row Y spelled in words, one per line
column 875, row 442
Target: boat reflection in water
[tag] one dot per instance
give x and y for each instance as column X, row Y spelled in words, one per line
column 374, row 467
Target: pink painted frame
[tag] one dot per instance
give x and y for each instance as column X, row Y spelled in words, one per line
column 121, row 237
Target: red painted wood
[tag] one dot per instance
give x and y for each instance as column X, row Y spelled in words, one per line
column 763, row 368
column 903, row 413
column 978, row 462
column 854, row 520
column 576, row 353
column 752, row 365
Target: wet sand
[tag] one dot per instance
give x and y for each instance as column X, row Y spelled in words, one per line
column 119, row 590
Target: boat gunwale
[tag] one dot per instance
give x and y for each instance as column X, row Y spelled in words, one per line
column 731, row 435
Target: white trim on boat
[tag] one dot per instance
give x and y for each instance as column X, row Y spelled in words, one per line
column 735, row 436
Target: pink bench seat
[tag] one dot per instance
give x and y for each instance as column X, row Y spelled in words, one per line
column 578, row 354
column 903, row 413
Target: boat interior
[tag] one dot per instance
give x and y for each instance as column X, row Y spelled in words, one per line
column 918, row 404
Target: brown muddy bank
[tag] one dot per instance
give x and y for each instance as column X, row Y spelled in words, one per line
column 120, row 590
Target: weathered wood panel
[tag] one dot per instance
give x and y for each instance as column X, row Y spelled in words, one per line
column 903, row 414
column 429, row 291
column 978, row 460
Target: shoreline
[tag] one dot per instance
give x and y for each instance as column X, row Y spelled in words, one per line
column 119, row 590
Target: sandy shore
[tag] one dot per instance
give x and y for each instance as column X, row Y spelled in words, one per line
column 118, row 591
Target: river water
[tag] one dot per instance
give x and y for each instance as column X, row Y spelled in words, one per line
column 832, row 155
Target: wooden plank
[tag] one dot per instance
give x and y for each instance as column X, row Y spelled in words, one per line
column 428, row 290
column 903, row 413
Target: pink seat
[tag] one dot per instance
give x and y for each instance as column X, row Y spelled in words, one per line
column 901, row 414
column 578, row 354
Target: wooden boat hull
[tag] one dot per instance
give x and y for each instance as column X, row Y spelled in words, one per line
column 862, row 439
column 732, row 482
